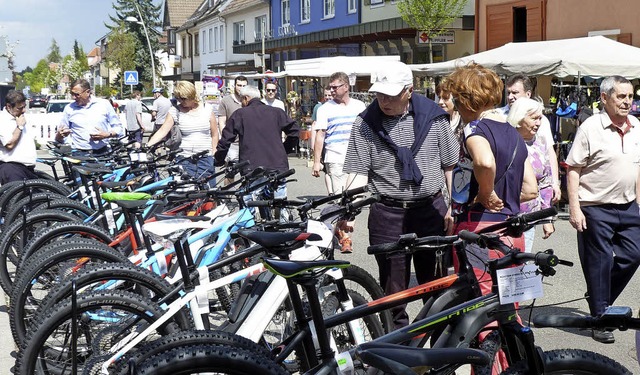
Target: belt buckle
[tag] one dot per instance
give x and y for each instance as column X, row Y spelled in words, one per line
column 405, row 204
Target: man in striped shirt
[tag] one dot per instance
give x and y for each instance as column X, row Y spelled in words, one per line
column 402, row 146
column 333, row 124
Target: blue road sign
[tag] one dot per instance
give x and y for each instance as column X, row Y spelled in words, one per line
column 130, row 77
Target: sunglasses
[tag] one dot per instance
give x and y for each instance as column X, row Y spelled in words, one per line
column 332, row 87
column 181, row 98
column 271, row 90
column 75, row 94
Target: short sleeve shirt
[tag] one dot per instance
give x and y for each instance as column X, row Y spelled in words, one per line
column 228, row 105
column 337, row 120
column 133, row 107
column 609, row 161
column 24, row 151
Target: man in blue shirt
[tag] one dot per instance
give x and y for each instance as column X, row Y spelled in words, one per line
column 88, row 122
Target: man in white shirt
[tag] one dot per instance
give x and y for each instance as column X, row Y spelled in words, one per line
column 160, row 108
column 271, row 89
column 133, row 115
column 17, row 146
column 333, row 124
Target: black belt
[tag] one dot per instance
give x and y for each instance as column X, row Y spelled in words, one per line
column 409, row 203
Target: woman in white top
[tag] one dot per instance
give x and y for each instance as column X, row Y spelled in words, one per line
column 198, row 126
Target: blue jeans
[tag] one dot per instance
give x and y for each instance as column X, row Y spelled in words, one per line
column 266, row 192
column 203, row 168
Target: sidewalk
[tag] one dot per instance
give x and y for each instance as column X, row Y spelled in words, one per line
column 8, row 352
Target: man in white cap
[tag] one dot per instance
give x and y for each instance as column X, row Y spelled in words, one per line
column 160, row 108
column 402, row 146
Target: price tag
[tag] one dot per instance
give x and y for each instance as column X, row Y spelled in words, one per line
column 323, row 230
column 519, row 284
column 111, row 220
column 133, row 156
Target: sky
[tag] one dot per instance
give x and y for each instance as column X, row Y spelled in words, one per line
column 33, row 24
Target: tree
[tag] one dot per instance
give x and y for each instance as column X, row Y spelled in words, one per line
column 54, row 52
column 121, row 45
column 80, row 57
column 431, row 16
column 151, row 17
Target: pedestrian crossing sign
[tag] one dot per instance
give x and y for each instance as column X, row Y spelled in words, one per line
column 130, row 77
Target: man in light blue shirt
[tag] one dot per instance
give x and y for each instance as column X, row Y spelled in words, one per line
column 88, row 122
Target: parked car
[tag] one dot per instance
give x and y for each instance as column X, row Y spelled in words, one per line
column 37, row 101
column 148, row 101
column 57, row 105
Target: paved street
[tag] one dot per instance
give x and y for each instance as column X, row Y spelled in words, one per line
column 567, row 285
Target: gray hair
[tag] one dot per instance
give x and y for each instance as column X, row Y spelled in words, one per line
column 608, row 84
column 521, row 108
column 250, row 91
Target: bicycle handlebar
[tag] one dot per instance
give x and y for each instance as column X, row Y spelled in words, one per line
column 350, row 208
column 411, row 240
column 520, row 222
column 614, row 317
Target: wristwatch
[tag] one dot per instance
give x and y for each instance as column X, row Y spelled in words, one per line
column 21, row 127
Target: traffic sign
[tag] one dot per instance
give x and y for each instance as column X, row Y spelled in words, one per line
column 130, row 77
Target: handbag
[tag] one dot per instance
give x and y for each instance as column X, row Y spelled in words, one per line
column 175, row 135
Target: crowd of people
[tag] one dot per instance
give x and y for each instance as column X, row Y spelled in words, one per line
column 460, row 162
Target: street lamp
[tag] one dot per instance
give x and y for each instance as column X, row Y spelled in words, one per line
column 141, row 22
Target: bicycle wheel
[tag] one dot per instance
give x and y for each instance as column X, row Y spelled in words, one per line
column 29, row 301
column 21, row 189
column 219, row 359
column 369, row 325
column 45, row 270
column 47, row 201
column 185, row 339
column 573, row 361
column 359, row 280
column 13, row 239
column 47, row 348
column 490, row 345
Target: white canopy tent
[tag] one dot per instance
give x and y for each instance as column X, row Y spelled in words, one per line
column 326, row 66
column 595, row 57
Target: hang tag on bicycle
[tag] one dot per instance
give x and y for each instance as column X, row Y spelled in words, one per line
column 324, row 230
column 519, row 284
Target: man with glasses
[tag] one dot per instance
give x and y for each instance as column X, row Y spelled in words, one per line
column 17, row 148
column 228, row 105
column 333, row 125
column 402, row 146
column 271, row 89
column 88, row 121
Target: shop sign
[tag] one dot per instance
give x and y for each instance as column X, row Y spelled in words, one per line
column 447, row 37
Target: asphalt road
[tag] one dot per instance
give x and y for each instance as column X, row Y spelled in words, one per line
column 563, row 293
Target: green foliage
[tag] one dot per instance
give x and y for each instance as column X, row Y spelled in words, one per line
column 121, row 47
column 432, row 16
column 54, row 52
column 40, row 77
column 80, row 56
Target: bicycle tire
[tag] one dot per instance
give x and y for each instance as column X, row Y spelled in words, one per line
column 60, row 230
column 209, row 358
column 370, row 324
column 186, row 338
column 49, row 201
column 44, row 270
column 490, row 345
column 573, row 361
column 134, row 279
column 46, row 347
column 362, row 282
column 10, row 247
column 22, row 188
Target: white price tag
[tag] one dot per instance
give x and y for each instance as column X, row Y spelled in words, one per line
column 323, row 230
column 519, row 284
column 142, row 156
column 111, row 220
column 133, row 156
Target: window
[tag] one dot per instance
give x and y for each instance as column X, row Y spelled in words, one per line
column 329, row 8
column 204, row 41
column 221, row 37
column 520, row 24
column 260, row 26
column 286, row 12
column 305, row 11
column 353, row 6
column 215, row 39
column 210, row 40
column 196, row 44
column 377, row 2
column 238, row 33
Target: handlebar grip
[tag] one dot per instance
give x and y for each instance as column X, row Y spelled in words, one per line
column 564, row 321
column 384, row 248
column 364, row 202
column 285, row 174
column 546, row 259
column 539, row 215
column 258, row 203
column 237, row 166
column 356, row 191
column 469, row 236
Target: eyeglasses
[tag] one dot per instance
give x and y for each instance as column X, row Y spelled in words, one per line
column 383, row 97
column 335, row 87
column 182, row 99
column 76, row 94
column 271, row 90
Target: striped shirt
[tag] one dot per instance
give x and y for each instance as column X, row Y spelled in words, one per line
column 337, row 120
column 195, row 127
column 369, row 155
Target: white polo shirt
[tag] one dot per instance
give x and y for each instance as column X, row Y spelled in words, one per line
column 25, row 150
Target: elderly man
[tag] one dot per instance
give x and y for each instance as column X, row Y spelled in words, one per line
column 404, row 147
column 17, row 148
column 603, row 197
column 520, row 86
column 89, row 121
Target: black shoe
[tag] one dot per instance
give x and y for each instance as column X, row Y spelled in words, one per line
column 603, row 336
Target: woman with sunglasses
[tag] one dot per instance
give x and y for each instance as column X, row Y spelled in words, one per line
column 197, row 123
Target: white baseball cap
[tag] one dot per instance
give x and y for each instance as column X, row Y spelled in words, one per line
column 390, row 78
